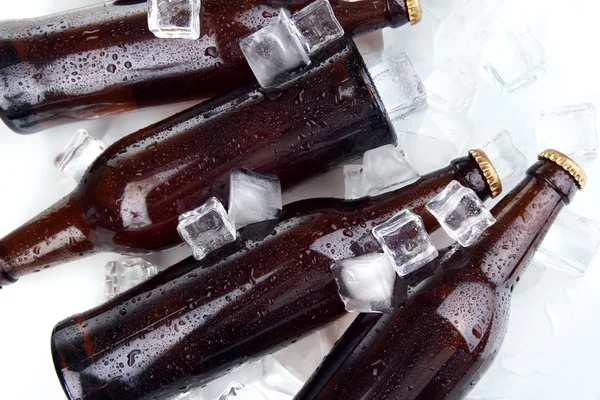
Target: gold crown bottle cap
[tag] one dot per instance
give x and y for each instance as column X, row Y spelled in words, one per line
column 414, row 11
column 567, row 164
column 489, row 171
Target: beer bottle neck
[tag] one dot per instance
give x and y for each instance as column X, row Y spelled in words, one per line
column 57, row 235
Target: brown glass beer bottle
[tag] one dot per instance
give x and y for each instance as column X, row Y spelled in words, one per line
column 102, row 60
column 439, row 344
column 198, row 319
column 130, row 198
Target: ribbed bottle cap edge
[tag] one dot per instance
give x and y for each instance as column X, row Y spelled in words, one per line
column 489, row 171
column 415, row 13
column 566, row 163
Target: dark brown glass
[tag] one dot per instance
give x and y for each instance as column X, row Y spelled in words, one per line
column 441, row 342
column 102, row 60
column 195, row 321
column 130, row 198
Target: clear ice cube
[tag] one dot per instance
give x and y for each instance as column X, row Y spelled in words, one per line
column 366, row 283
column 508, row 160
column 399, row 86
column 450, row 89
column 386, row 169
column 123, row 275
column 461, row 213
column 206, row 228
column 513, row 60
column 174, row 19
column 424, row 152
column 317, row 26
column 353, row 182
column 570, row 245
column 81, row 151
column 404, row 238
column 571, row 130
column 253, row 198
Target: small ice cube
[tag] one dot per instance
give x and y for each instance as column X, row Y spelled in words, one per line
column 174, row 19
column 450, row 89
column 123, row 275
column 399, row 86
column 81, row 151
column 366, row 283
column 570, row 244
column 508, row 160
column 206, row 228
column 386, row 169
column 513, row 60
column 253, row 198
column 571, row 130
column 353, row 182
column 317, row 26
column 426, row 153
column 461, row 213
column 404, row 238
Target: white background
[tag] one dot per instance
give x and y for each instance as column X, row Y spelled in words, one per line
column 551, row 350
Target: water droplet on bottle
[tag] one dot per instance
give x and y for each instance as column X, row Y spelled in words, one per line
column 112, row 68
column 131, row 357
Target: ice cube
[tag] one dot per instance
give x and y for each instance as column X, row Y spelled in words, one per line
column 253, row 198
column 174, row 19
column 454, row 127
column 399, row 86
column 450, row 89
column 123, row 275
column 278, row 378
column 366, row 283
column 513, row 60
column 353, row 182
column 508, row 160
column 461, row 213
column 571, row 130
column 206, row 228
column 570, row 244
column 237, row 391
column 386, row 169
column 424, row 152
column 404, row 238
column 317, row 26
column 81, row 151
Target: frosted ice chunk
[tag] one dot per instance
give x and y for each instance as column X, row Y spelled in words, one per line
column 366, row 283
column 253, row 198
column 570, row 244
column 508, row 160
column 404, row 238
column 399, row 86
column 206, row 228
column 277, row 50
column 353, row 182
column 450, row 89
column 424, row 152
column 123, row 275
column 81, row 151
column 571, row 130
column 386, row 169
column 278, row 378
column 461, row 213
column 174, row 19
column 452, row 126
column 513, row 60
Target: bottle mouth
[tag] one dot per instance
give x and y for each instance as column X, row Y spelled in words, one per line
column 489, row 171
column 415, row 13
column 566, row 163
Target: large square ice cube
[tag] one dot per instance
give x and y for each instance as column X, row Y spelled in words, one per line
column 253, row 198
column 450, row 89
column 404, row 238
column 123, row 275
column 386, row 169
column 317, row 26
column 274, row 51
column 570, row 244
column 461, row 213
column 513, row 60
column 508, row 160
column 174, row 19
column 206, row 228
column 399, row 86
column 366, row 283
column 81, row 151
column 571, row 130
